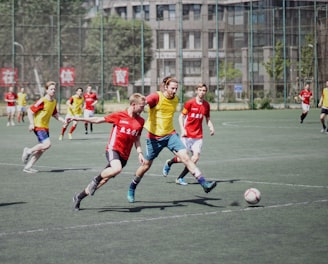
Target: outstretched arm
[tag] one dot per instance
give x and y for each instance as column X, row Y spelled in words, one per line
column 93, row 120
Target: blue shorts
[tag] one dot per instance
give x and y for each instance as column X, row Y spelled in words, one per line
column 155, row 146
column 42, row 135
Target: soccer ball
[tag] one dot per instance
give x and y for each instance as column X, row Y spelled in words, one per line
column 252, row 196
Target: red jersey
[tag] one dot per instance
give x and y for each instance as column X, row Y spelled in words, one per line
column 11, row 96
column 89, row 99
column 306, row 94
column 125, row 131
column 195, row 113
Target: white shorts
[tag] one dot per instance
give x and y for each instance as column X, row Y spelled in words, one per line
column 88, row 113
column 193, row 144
column 21, row 108
column 11, row 109
column 305, row 107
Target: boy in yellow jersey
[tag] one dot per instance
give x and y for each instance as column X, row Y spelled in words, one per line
column 161, row 134
column 323, row 103
column 39, row 115
column 74, row 109
column 21, row 105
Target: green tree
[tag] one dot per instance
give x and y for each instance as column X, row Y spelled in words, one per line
column 306, row 66
column 122, row 47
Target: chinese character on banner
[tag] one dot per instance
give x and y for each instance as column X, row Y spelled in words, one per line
column 9, row 77
column 121, row 77
column 67, row 76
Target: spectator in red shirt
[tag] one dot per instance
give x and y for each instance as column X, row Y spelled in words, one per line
column 10, row 99
column 305, row 95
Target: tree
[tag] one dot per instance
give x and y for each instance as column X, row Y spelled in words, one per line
column 122, row 47
column 275, row 65
column 306, row 65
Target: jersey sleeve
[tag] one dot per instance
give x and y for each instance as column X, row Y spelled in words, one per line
column 152, row 99
column 37, row 106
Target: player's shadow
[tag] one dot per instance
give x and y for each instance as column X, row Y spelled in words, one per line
column 218, row 181
column 9, row 204
column 67, row 169
column 159, row 205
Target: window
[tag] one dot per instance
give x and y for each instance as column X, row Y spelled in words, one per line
column 137, row 12
column 212, row 40
column 121, row 11
column 191, row 11
column 166, row 67
column 165, row 12
column 212, row 14
column 192, row 68
column 192, row 40
column 166, row 40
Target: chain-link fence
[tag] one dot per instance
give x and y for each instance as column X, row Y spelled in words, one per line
column 244, row 53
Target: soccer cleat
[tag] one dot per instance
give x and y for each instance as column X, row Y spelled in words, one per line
column 8, row 124
column 12, row 123
column 70, row 136
column 86, row 132
column 130, row 195
column 166, row 168
column 30, row 170
column 181, row 181
column 92, row 187
column 209, row 186
column 323, row 130
column 60, row 137
column 76, row 202
column 26, row 156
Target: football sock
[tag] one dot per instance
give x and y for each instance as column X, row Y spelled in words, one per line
column 91, row 127
column 201, row 180
column 173, row 160
column 98, row 178
column 72, row 129
column 135, row 182
column 183, row 173
column 82, row 195
column 63, row 130
column 86, row 126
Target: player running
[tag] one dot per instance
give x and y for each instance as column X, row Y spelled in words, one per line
column 90, row 100
column 305, row 95
column 39, row 115
column 161, row 134
column 126, row 132
column 74, row 109
column 191, row 127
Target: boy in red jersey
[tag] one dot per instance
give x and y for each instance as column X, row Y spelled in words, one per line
column 191, row 126
column 126, row 132
column 161, row 134
column 10, row 99
column 74, row 109
column 39, row 115
column 90, row 100
column 305, row 95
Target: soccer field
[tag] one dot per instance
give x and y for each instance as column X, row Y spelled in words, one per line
column 269, row 150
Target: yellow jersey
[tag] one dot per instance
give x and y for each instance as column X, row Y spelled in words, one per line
column 160, row 116
column 325, row 98
column 43, row 110
column 77, row 103
column 21, row 100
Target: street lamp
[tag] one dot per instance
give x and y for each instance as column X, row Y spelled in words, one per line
column 22, row 47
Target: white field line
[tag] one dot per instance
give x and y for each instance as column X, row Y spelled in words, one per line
column 144, row 220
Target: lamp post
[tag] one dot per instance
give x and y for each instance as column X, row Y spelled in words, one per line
column 22, row 71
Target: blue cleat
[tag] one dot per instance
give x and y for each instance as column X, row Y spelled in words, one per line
column 130, row 195
column 209, row 186
column 166, row 168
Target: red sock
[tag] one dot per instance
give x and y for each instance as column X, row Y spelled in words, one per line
column 72, row 129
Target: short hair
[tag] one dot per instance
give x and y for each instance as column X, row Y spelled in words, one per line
column 167, row 80
column 200, row 85
column 49, row 83
column 79, row 89
column 136, row 98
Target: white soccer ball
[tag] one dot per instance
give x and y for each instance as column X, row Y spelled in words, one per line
column 252, row 196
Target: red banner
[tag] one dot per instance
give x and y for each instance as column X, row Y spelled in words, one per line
column 67, row 76
column 121, row 77
column 9, row 77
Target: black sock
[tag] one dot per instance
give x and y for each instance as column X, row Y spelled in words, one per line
column 82, row 195
column 183, row 173
column 98, row 178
